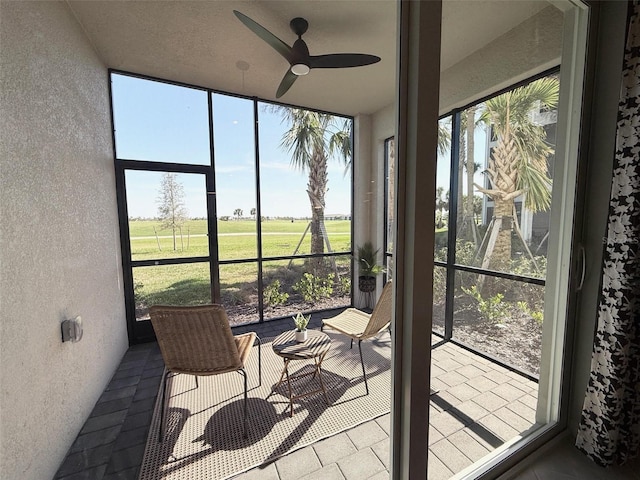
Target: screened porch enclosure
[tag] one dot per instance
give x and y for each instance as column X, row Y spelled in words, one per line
column 490, row 266
column 225, row 204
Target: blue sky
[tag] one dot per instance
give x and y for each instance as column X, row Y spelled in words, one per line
column 161, row 122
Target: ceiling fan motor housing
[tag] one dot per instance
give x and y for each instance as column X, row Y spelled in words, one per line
column 299, row 26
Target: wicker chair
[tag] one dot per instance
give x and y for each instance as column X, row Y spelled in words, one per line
column 360, row 326
column 197, row 340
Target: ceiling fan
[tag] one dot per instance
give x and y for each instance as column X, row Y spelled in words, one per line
column 298, row 56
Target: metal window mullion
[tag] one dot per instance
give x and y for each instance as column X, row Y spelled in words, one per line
column 212, row 212
column 351, row 222
column 157, row 166
column 123, row 220
column 256, row 146
column 452, row 224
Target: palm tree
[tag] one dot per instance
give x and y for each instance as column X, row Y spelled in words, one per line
column 518, row 164
column 467, row 227
column 312, row 139
column 444, row 136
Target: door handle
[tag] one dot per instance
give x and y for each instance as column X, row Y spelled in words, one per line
column 583, row 266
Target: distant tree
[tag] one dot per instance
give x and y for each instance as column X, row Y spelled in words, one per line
column 171, row 209
column 441, row 205
column 253, row 212
column 238, row 212
column 476, row 203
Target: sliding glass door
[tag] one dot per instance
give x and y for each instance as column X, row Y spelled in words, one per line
column 504, row 183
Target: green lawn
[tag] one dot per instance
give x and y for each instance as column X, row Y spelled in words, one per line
column 190, row 283
column 237, row 239
column 143, row 228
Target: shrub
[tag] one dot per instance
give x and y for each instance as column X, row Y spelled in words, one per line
column 313, row 288
column 466, row 252
column 439, row 285
column 273, row 296
column 526, row 267
column 344, row 286
column 535, row 314
column 493, row 308
column 441, row 240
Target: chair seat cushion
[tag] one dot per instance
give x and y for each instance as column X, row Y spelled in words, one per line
column 351, row 322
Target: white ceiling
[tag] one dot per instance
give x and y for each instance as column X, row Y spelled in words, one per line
column 202, row 42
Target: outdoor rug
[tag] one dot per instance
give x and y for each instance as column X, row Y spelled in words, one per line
column 203, row 429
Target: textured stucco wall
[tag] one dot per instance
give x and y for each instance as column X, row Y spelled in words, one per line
column 59, row 254
column 363, row 194
column 530, row 48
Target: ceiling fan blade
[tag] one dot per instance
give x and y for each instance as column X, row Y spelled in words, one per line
column 277, row 44
column 342, row 60
column 286, row 83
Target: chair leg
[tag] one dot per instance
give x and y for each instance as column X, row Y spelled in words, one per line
column 163, row 406
column 259, row 360
column 244, row 416
column 351, row 343
column 364, row 373
column 196, row 380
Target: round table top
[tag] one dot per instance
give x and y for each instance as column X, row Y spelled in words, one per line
column 317, row 344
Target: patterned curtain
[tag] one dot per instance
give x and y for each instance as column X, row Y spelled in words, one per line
column 609, row 430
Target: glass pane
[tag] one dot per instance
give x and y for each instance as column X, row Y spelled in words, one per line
column 513, row 180
column 443, row 174
column 160, row 122
column 306, row 204
column 290, row 287
column 499, row 317
column 439, row 298
column 186, row 284
column 504, row 158
column 239, row 292
column 390, row 162
column 235, row 168
column 167, row 214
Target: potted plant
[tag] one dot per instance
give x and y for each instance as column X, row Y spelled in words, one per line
column 301, row 321
column 368, row 267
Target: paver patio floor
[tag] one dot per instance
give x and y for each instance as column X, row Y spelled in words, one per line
column 476, row 407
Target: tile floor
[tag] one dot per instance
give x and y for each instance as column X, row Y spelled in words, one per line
column 477, row 406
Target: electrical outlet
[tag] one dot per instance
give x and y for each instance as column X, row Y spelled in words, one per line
column 72, row 330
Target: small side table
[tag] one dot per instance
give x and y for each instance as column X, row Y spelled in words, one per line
column 315, row 347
